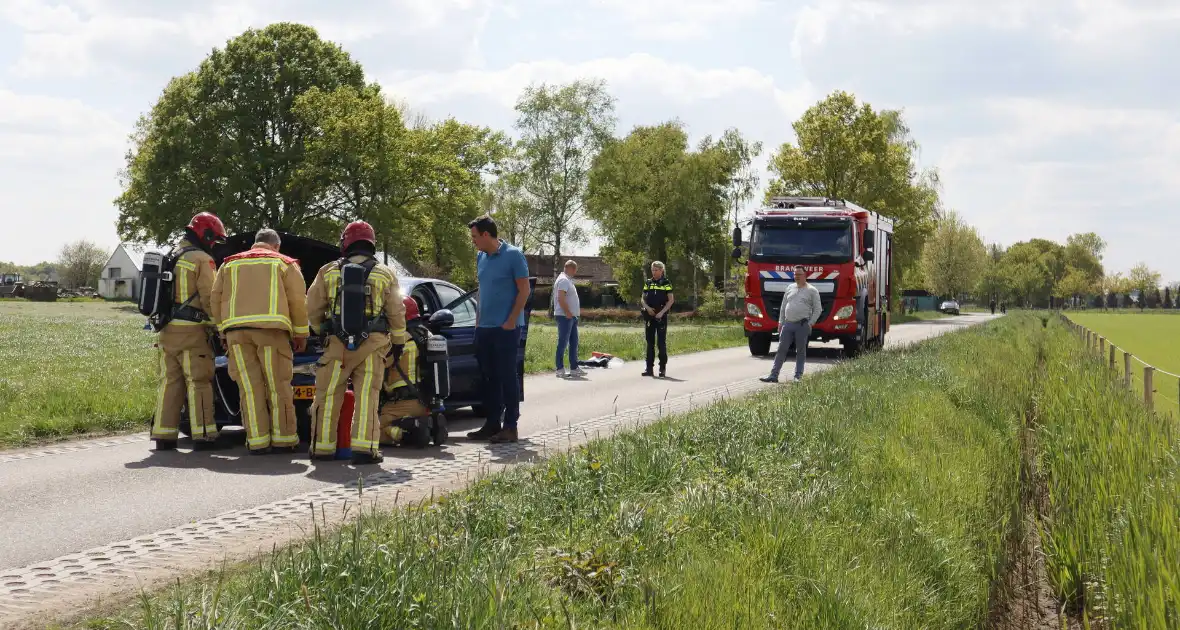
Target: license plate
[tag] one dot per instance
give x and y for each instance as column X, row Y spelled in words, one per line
column 304, row 392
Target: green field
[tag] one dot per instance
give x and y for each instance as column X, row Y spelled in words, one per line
column 69, row 369
column 1153, row 338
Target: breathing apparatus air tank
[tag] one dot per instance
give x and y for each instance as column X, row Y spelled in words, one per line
column 438, row 366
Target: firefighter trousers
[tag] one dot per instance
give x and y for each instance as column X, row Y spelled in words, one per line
column 186, row 380
column 395, row 410
column 260, row 362
column 365, row 368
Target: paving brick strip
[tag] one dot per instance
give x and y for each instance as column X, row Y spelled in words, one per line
column 77, row 580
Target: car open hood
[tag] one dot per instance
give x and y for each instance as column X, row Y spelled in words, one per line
column 311, row 253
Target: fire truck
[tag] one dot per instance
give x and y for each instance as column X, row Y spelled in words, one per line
column 847, row 253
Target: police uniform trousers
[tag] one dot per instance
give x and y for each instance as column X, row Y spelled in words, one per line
column 395, row 410
column 260, row 362
column 186, row 379
column 365, row 368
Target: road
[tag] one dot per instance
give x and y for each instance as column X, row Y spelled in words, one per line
column 76, row 497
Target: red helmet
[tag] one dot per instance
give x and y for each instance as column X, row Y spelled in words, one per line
column 411, row 308
column 208, row 229
column 357, row 231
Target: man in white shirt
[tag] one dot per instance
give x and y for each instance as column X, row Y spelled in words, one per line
column 800, row 311
column 567, row 308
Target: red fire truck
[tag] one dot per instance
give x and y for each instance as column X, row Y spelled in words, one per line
column 847, row 253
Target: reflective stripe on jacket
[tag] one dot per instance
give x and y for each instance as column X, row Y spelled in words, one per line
column 193, row 274
column 409, row 365
column 260, row 288
column 383, row 289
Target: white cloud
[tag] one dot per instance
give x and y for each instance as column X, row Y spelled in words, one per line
column 76, row 38
column 54, row 131
column 679, row 83
column 679, row 19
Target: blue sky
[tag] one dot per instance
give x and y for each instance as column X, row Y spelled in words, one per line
column 1044, row 118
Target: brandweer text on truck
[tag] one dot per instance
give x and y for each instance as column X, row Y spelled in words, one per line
column 847, row 252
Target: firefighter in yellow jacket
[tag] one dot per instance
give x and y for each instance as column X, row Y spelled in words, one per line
column 261, row 310
column 400, row 401
column 358, row 302
column 186, row 356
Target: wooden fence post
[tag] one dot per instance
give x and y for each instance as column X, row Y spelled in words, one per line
column 1127, row 369
column 1148, row 399
column 1112, row 357
column 1101, row 346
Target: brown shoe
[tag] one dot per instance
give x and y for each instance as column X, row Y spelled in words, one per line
column 504, row 436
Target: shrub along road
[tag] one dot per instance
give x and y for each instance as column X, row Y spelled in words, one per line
column 117, row 490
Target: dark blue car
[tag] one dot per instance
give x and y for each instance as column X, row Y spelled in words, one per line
column 449, row 310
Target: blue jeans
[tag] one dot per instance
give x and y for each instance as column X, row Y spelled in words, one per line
column 567, row 334
column 495, row 352
column 791, row 333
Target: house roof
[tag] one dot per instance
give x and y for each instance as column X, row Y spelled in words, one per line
column 134, row 251
column 590, row 268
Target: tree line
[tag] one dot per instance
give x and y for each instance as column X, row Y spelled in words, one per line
column 281, row 129
column 1036, row 273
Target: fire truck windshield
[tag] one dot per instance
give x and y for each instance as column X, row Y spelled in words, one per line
column 826, row 242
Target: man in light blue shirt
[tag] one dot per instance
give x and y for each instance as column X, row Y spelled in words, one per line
column 503, row 275
column 800, row 311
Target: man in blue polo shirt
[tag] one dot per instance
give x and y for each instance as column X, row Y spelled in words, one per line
column 503, row 277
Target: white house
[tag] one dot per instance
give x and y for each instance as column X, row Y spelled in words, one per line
column 120, row 276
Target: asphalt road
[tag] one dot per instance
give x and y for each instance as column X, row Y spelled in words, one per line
column 98, row 493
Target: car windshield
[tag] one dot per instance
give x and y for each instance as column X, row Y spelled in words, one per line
column 827, row 242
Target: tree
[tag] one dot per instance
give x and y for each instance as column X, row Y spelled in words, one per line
column 953, row 258
column 1144, row 279
column 1074, row 284
column 1089, row 242
column 227, row 138
column 518, row 221
column 743, row 184
column 993, row 282
column 562, row 129
column 847, row 150
column 80, row 264
column 656, row 199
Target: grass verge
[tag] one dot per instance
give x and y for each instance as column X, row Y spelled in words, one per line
column 74, row 368
column 878, row 494
column 1113, row 534
column 916, row 316
column 69, row 368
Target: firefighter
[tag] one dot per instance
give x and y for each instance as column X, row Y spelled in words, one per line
column 399, row 401
column 364, row 314
column 260, row 309
column 186, row 354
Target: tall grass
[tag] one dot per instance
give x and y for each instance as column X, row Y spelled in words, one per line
column 878, row 494
column 1113, row 538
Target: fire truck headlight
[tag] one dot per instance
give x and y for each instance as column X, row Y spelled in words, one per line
column 753, row 310
column 844, row 313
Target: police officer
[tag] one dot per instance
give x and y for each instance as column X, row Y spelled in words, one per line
column 260, row 309
column 365, row 365
column 399, row 401
column 186, row 355
column 656, row 301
